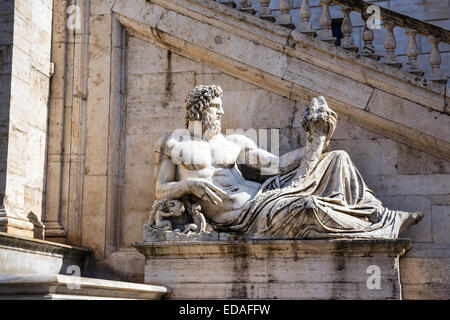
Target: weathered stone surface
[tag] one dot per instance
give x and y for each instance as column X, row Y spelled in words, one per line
column 125, row 263
column 423, row 163
column 424, row 272
column 30, row 256
column 411, row 114
column 373, row 157
column 29, row 89
column 441, row 223
column 273, row 269
column 149, row 15
column 334, row 85
column 433, row 184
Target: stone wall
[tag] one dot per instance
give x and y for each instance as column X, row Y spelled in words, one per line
column 29, row 88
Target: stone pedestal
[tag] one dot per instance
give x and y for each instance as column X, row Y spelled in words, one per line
column 276, row 269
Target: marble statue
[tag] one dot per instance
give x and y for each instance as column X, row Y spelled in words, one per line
column 315, row 194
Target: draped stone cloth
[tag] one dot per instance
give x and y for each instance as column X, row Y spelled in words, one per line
column 332, row 202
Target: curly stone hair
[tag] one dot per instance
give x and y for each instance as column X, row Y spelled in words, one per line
column 198, row 99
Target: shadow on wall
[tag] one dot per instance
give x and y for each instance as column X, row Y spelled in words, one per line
column 6, row 41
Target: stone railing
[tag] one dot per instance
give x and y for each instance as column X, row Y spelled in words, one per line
column 390, row 20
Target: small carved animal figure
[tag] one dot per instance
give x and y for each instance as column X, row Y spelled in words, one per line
column 163, row 209
column 199, row 224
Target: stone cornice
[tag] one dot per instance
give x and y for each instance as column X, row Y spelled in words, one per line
column 260, row 248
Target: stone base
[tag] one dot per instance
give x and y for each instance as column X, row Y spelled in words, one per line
column 15, row 226
column 372, row 56
column 60, row 287
column 249, row 10
column 397, row 65
column 267, row 18
column 327, row 36
column 309, row 33
column 416, row 71
column 228, row 3
column 276, row 269
column 20, row 255
column 439, row 80
column 350, row 48
column 266, row 14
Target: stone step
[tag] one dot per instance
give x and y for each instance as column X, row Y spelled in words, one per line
column 63, row 287
column 22, row 255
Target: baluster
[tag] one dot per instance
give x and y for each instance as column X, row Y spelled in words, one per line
column 246, row 6
column 305, row 25
column 368, row 36
column 285, row 19
column 228, row 3
column 325, row 32
column 412, row 66
column 347, row 42
column 264, row 11
column 435, row 61
column 390, row 58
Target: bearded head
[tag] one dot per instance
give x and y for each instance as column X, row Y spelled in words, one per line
column 198, row 103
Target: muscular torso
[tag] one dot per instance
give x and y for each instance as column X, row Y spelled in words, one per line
column 215, row 160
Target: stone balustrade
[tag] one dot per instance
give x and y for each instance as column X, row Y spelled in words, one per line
column 339, row 33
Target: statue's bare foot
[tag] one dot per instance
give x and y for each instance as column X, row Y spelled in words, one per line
column 410, row 218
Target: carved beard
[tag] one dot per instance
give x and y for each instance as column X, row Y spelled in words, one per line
column 210, row 126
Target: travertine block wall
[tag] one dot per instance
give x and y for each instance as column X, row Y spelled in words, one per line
column 29, row 88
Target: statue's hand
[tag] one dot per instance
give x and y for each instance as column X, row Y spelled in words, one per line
column 205, row 190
